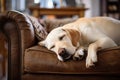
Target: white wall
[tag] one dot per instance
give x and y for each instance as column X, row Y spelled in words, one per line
column 94, row 8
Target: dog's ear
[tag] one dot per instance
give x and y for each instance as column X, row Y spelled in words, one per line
column 74, row 36
column 42, row 43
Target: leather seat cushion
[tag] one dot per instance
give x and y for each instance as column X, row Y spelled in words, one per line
column 38, row 59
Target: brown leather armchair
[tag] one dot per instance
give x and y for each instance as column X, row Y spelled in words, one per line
column 28, row 61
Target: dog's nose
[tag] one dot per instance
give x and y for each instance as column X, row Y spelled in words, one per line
column 63, row 53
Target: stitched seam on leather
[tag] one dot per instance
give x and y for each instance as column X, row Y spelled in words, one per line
column 38, row 50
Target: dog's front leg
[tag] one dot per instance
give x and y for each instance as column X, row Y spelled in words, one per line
column 92, row 50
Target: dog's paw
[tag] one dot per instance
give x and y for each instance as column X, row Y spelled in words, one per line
column 79, row 54
column 90, row 60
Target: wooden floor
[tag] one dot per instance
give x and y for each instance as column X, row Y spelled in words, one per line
column 0, row 72
column 1, row 77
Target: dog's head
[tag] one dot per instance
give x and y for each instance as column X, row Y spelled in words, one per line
column 63, row 42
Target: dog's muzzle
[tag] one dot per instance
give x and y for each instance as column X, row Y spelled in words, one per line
column 64, row 54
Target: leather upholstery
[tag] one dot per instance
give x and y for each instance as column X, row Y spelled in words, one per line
column 40, row 60
column 28, row 61
column 20, row 35
column 69, row 77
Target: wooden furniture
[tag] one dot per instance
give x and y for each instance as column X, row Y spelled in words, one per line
column 37, row 11
column 2, row 6
column 110, row 8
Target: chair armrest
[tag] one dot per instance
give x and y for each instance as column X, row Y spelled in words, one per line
column 20, row 35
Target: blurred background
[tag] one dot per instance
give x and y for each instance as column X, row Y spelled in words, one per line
column 94, row 7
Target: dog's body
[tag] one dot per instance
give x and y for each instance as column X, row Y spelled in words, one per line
column 85, row 33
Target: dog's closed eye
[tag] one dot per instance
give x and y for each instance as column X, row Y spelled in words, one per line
column 60, row 38
column 52, row 47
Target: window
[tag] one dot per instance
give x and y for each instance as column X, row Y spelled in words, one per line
column 18, row 5
column 48, row 3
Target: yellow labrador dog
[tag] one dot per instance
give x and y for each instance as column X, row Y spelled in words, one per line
column 85, row 33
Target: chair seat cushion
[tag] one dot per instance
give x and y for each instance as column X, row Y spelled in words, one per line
column 38, row 59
